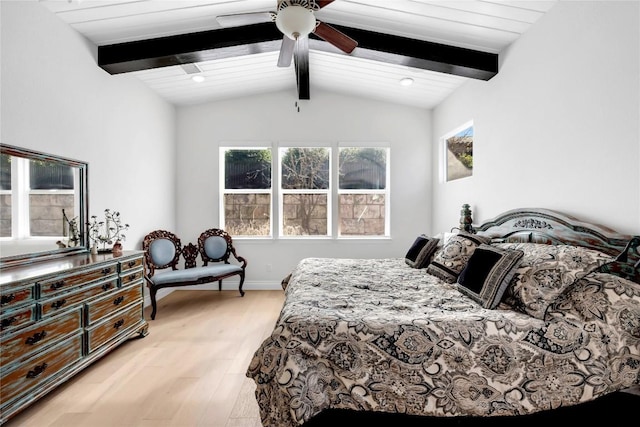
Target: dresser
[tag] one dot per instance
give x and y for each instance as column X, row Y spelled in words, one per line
column 58, row 316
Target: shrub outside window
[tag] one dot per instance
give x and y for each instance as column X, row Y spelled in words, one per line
column 363, row 191
column 246, row 201
column 305, row 191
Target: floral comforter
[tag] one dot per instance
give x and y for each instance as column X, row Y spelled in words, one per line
column 378, row 335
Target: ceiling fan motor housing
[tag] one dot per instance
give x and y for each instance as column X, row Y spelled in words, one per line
column 295, row 21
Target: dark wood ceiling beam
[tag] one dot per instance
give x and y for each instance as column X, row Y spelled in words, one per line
column 258, row 38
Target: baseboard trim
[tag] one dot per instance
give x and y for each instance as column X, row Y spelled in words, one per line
column 253, row 285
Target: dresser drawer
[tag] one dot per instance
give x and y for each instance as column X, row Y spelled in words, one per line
column 59, row 284
column 114, row 325
column 13, row 297
column 14, row 319
column 130, row 264
column 131, row 276
column 63, row 301
column 39, row 336
column 35, row 371
column 103, row 306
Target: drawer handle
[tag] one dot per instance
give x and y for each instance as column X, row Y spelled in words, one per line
column 106, row 287
column 38, row 336
column 8, row 322
column 57, row 285
column 57, row 304
column 131, row 264
column 37, row 370
column 118, row 300
column 118, row 324
column 106, row 271
column 6, row 299
column 132, row 277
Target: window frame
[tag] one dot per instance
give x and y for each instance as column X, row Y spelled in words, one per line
column 444, row 162
column 224, row 191
column 333, row 192
column 386, row 192
column 282, row 192
column 21, row 193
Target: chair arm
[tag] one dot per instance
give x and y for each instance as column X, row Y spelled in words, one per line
column 239, row 258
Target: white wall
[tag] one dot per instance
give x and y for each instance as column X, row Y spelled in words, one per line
column 327, row 118
column 559, row 126
column 56, row 99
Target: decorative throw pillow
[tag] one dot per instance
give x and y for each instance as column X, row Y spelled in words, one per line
column 488, row 273
column 545, row 271
column 421, row 251
column 449, row 260
column 600, row 296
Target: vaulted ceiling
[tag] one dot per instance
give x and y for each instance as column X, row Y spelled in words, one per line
column 438, row 44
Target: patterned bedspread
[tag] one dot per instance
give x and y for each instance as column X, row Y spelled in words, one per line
column 378, row 335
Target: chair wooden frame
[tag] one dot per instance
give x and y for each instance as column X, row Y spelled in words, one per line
column 196, row 275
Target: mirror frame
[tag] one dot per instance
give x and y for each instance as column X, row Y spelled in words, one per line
column 83, row 216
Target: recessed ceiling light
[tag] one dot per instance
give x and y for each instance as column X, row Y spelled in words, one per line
column 407, row 81
column 197, row 78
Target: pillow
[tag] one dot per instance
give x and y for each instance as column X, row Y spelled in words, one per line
column 421, row 251
column 601, row 296
column 488, row 273
column 449, row 260
column 545, row 271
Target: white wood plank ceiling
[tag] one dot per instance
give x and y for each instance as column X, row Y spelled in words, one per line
column 484, row 25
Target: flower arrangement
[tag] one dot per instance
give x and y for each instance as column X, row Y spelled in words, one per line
column 107, row 232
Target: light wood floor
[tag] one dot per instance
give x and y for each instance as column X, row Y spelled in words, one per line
column 189, row 370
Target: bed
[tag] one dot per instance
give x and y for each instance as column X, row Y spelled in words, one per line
column 532, row 312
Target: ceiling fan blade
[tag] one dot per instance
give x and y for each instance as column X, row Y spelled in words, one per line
column 335, row 37
column 322, row 3
column 239, row 19
column 301, row 59
column 286, row 52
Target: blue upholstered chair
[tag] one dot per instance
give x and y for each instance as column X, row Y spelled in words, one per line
column 162, row 251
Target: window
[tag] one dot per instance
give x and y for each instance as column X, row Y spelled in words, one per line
column 305, row 191
column 363, row 191
column 27, row 210
column 316, row 191
column 458, row 153
column 246, row 200
column 5, row 195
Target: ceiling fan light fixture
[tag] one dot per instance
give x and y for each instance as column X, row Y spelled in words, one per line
column 295, row 21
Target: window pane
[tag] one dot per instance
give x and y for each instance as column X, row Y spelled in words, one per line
column 459, row 152
column 45, row 214
column 5, row 215
column 50, row 176
column 5, row 199
column 305, row 168
column 304, row 214
column 5, row 172
column 247, row 169
column 363, row 168
column 247, row 214
column 362, row 214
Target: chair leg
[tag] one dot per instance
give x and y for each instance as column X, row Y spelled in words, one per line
column 219, row 285
column 152, row 294
column 240, row 286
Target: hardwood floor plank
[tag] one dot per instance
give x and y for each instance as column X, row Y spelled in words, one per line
column 189, row 371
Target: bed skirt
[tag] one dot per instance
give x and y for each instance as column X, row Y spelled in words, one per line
column 617, row 409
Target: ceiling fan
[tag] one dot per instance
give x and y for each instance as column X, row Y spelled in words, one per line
column 296, row 20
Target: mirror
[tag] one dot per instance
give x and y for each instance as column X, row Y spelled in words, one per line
column 43, row 206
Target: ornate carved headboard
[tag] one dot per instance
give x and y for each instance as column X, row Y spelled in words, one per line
column 547, row 226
